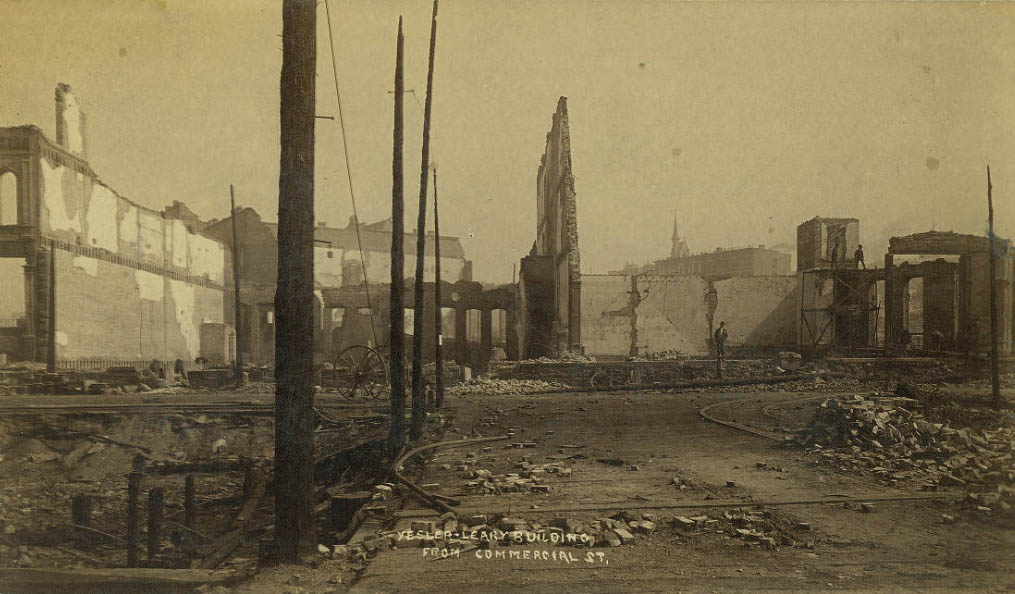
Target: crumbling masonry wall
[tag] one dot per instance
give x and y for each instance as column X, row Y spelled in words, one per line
column 142, row 315
column 557, row 234
column 129, row 282
column 760, row 311
column 627, row 315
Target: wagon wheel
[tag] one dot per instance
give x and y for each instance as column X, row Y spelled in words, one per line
column 385, row 354
column 361, row 372
column 600, row 379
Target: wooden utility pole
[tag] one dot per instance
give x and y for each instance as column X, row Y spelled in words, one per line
column 294, row 296
column 995, row 380
column 438, row 322
column 396, row 321
column 51, row 339
column 418, row 389
column 237, row 316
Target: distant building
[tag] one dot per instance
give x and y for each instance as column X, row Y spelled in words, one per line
column 337, row 264
column 748, row 261
column 181, row 212
column 679, row 248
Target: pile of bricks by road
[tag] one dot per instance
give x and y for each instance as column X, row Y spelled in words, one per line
column 755, row 527
column 669, row 355
column 896, row 444
column 505, row 386
column 563, row 358
column 527, row 479
column 482, row 531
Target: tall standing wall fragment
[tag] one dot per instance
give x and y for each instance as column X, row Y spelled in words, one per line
column 557, row 238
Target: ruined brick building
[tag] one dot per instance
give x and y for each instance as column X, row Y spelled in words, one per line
column 549, row 286
column 337, row 265
column 931, row 294
column 89, row 276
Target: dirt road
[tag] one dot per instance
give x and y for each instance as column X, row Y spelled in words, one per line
column 649, row 440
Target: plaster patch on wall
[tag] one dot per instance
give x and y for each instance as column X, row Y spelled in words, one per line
column 327, row 271
column 61, row 338
column 72, row 120
column 127, row 224
column 100, row 218
column 149, row 241
column 207, row 257
column 451, row 269
column 89, row 265
column 178, row 248
column 52, row 195
column 150, row 285
column 183, row 298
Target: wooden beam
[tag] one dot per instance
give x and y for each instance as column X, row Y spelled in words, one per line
column 229, row 542
column 45, row 581
column 396, row 331
column 294, row 297
column 995, row 381
column 438, row 321
column 238, row 315
column 418, row 389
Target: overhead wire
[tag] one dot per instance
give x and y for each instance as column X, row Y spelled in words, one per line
column 348, row 171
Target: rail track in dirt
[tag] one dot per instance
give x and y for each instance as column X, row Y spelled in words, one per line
column 189, row 408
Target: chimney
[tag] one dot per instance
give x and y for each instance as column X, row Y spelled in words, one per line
column 70, row 121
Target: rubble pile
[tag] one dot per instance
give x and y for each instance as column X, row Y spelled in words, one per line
column 562, row 358
column 253, row 387
column 492, row 531
column 528, row 478
column 504, row 386
column 755, row 527
column 883, row 436
column 669, row 355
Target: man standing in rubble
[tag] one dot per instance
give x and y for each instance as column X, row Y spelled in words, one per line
column 720, row 337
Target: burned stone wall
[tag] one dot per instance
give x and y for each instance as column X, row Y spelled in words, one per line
column 647, row 314
column 557, row 238
column 110, row 253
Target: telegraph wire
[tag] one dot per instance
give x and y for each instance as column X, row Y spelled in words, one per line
column 348, row 171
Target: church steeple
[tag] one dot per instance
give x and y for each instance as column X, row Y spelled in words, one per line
column 679, row 248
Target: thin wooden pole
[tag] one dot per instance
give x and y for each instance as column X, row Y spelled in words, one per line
column 156, row 499
column 396, row 329
column 51, row 338
column 133, row 494
column 294, row 296
column 995, row 380
column 418, row 389
column 238, row 316
column 438, row 321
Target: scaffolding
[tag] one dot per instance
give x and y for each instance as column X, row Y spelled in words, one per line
column 839, row 308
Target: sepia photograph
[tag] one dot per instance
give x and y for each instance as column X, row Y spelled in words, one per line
column 571, row 296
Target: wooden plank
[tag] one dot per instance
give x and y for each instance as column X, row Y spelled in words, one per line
column 43, row 580
column 229, row 542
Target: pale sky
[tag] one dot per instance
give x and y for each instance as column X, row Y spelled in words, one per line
column 743, row 119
